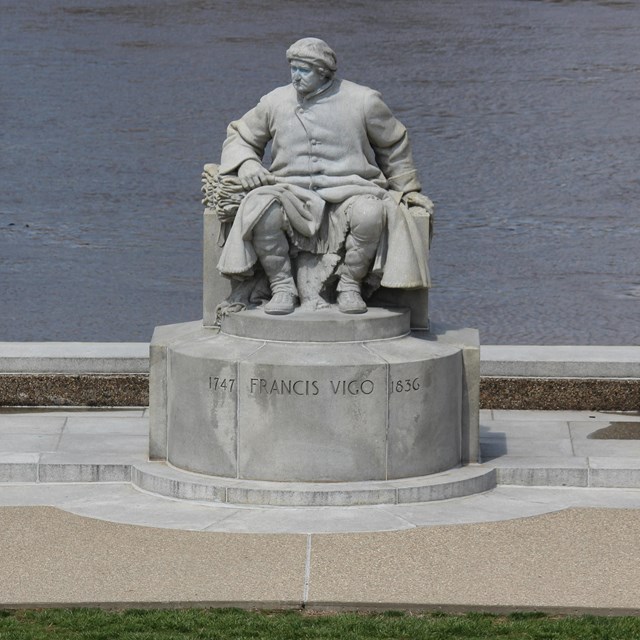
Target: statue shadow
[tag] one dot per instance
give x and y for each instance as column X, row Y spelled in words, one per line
column 493, row 444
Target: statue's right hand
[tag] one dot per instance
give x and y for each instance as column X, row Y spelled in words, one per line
column 252, row 175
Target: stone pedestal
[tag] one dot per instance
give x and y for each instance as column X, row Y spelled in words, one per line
column 314, row 397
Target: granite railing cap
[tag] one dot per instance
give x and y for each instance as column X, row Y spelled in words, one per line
column 562, row 361
column 529, row 361
column 74, row 357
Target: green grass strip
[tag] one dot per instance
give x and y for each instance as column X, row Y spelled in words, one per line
column 236, row 624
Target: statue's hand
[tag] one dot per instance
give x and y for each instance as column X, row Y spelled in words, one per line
column 416, row 199
column 252, row 175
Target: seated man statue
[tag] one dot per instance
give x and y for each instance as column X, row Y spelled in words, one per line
column 341, row 182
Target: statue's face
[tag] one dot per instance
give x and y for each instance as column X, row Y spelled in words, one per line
column 305, row 77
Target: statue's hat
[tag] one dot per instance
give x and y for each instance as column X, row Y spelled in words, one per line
column 314, row 51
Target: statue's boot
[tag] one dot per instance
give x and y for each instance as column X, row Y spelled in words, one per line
column 361, row 244
column 272, row 247
column 355, row 268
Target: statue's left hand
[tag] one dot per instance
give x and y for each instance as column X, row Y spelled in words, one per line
column 252, row 175
column 416, row 199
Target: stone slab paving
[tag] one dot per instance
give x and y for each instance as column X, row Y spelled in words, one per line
column 74, row 530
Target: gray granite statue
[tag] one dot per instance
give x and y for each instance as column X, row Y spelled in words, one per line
column 339, row 212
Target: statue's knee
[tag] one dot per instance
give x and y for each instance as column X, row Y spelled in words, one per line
column 367, row 218
column 271, row 221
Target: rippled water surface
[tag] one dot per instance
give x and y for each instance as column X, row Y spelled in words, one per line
column 524, row 118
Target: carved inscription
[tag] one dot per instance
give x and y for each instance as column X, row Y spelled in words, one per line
column 302, row 387
column 404, row 386
column 259, row 386
column 285, row 387
column 352, row 387
column 221, row 384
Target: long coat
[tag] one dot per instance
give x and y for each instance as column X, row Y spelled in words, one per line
column 343, row 141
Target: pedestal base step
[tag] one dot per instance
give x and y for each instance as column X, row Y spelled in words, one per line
column 163, row 479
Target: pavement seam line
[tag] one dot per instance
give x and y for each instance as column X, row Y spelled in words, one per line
column 307, row 572
column 387, row 371
column 64, row 426
column 573, row 450
column 238, row 412
column 412, row 525
column 237, row 427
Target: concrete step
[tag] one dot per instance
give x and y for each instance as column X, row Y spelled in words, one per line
column 163, row 479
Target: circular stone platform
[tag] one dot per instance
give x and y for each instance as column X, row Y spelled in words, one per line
column 323, row 325
column 375, row 403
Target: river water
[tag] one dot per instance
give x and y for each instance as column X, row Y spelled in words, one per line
column 524, row 118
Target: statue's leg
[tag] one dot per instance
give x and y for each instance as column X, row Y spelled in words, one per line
column 366, row 223
column 272, row 248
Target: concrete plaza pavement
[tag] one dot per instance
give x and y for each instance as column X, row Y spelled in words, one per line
column 560, row 532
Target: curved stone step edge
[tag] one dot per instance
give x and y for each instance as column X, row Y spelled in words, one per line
column 159, row 478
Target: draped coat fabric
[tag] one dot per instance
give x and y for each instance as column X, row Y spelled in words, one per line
column 326, row 148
